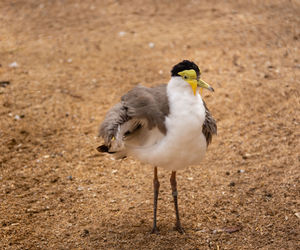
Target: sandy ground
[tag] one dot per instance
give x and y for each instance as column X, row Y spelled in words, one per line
column 66, row 62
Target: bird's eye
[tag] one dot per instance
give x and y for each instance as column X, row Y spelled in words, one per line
column 185, row 77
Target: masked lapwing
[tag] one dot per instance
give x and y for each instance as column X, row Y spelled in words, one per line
column 167, row 126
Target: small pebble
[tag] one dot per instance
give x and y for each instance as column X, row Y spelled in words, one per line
column 3, row 84
column 151, row 45
column 190, row 178
column 17, row 117
column 70, row 177
column 269, row 195
column 80, row 188
column 122, row 33
column 232, row 184
column 114, row 171
column 246, row 156
column 85, row 233
column 13, row 65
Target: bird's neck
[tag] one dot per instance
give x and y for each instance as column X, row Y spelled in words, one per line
column 179, row 87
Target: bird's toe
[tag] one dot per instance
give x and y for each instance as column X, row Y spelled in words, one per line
column 155, row 230
column 179, row 229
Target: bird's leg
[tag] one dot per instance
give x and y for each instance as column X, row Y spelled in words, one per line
column 174, row 194
column 156, row 190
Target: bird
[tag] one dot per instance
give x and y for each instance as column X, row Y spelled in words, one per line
column 168, row 126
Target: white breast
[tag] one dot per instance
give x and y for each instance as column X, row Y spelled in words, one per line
column 184, row 144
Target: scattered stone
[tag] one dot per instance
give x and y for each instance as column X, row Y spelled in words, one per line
column 217, row 231
column 151, row 45
column 227, row 173
column 232, row 184
column 227, row 230
column 122, row 33
column 13, row 65
column 240, row 171
column 269, row 195
column 70, row 177
column 3, row 84
column 69, row 60
column 85, row 233
column 55, row 179
column 114, row 171
column 246, row 156
column 298, row 215
column 80, row 188
column 17, row 117
column 232, row 229
column 190, row 178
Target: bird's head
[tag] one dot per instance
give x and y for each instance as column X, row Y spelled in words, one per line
column 190, row 73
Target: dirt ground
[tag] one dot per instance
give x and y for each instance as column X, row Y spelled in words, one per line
column 64, row 63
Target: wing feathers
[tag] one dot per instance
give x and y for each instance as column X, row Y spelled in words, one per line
column 141, row 106
column 148, row 103
column 209, row 127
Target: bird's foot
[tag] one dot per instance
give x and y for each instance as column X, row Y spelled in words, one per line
column 179, row 229
column 155, row 230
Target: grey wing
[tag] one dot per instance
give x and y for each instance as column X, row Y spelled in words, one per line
column 138, row 108
column 209, row 126
column 114, row 118
column 148, row 103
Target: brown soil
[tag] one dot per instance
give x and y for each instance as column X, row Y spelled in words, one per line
column 58, row 192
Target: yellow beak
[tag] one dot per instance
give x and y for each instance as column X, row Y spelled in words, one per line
column 203, row 84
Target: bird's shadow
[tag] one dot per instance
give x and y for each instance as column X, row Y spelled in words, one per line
column 127, row 234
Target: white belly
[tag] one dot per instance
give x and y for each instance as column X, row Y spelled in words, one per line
column 184, row 144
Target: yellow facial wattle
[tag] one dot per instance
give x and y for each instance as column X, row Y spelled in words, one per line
column 190, row 76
